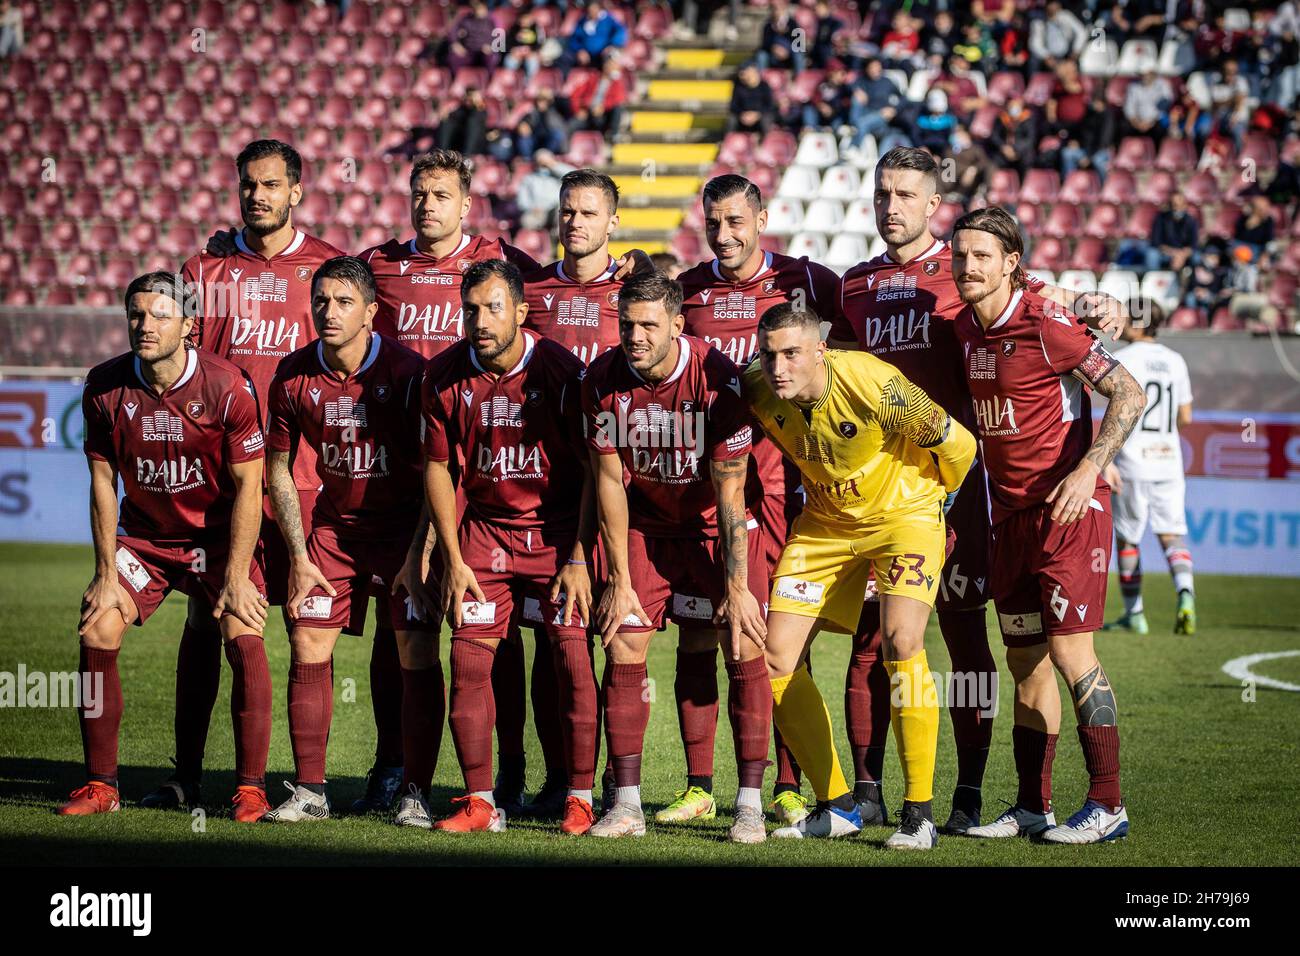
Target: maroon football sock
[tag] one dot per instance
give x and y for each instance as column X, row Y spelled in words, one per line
column 1101, row 757
column 1034, row 752
column 787, row 768
column 311, row 708
column 866, row 698
column 627, row 714
column 509, row 693
column 975, row 673
column 386, row 686
column 198, row 679
column 749, row 706
column 571, row 660
column 250, row 708
column 548, row 707
column 696, row 690
column 424, row 709
column 473, row 711
column 101, row 720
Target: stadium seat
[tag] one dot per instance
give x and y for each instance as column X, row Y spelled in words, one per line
column 817, row 149
column 982, row 123
column 1259, row 149
column 1004, row 187
column 1135, row 154
column 1120, row 187
column 1121, row 283
column 1077, row 280
column 1176, row 155
column 1138, row 56
column 799, row 182
column 1032, row 218
column 824, row 216
column 1202, row 188
column 1184, row 319
column 1004, row 85
column 1224, row 320
column 1063, row 222
column 1177, row 57
column 737, row 148
column 840, row 182
column 1105, row 221
column 846, row 250
column 586, row 148
column 1158, row 187
column 1099, row 59
column 1141, row 221
column 784, row 216
column 942, row 220
column 1089, row 254
column 810, row 244
column 860, row 218
column 1080, row 186
column 1161, row 286
column 777, row 148
column 1222, row 222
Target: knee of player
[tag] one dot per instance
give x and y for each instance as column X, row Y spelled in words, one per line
column 1027, row 664
column 106, row 633
column 417, row 650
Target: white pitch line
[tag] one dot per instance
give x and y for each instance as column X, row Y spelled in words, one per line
column 1240, row 668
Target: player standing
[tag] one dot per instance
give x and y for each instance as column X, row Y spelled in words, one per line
column 723, row 300
column 1028, row 362
column 1147, row 475
column 354, row 396
column 180, row 429
column 667, row 408
column 252, row 307
column 507, row 402
column 880, row 462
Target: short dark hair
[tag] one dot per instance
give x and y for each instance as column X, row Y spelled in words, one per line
column 485, row 269
column 1000, row 224
column 591, row 179
column 651, row 287
column 347, row 269
column 170, row 284
column 787, row 315
column 443, row 161
column 912, row 157
column 663, row 261
column 724, row 187
column 261, row 148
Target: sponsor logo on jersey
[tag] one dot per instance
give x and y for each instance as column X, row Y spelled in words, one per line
column 345, row 413
column 478, row 612
column 162, row 425
column 1021, row 625
column 316, row 607
column 172, row 476
column 995, row 416
column 130, row 410
column 897, row 286
column 799, row 590
column 266, row 287
column 736, row 305
column 355, row 460
column 547, row 299
column 129, row 566
column 432, row 277
column 468, row 395
column 704, row 295
column 403, row 266
column 983, row 364
column 315, row 396
column 741, row 440
column 254, row 441
column 897, row 331
column 432, row 321
column 811, row 448
column 739, row 349
column 512, row 462
column 264, row 335
column 692, row 606
column 501, row 413
column 578, row 311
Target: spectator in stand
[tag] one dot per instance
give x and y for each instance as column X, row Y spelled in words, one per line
column 828, row 25
column 598, row 101
column 1015, row 135
column 1056, row 36
column 752, row 102
column 1228, row 94
column 1206, row 287
column 933, row 127
column 464, row 127
column 994, row 15
column 973, row 168
column 901, row 46
column 1132, row 19
column 1213, row 43
column 977, row 48
column 543, row 127
column 1147, row 103
column 667, row 263
column 831, row 102
column 940, row 38
column 1186, row 120
column 524, row 43
column 470, row 43
column 1255, row 227
column 781, row 47
column 1067, row 109
column 1173, row 239
column 1284, row 37
column 875, row 106
column 959, row 86
column 1013, row 46
column 11, row 28
column 598, row 32
column 539, row 191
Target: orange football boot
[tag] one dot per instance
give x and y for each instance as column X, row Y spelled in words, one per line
column 578, row 817
column 475, row 816
column 250, row 804
column 94, row 797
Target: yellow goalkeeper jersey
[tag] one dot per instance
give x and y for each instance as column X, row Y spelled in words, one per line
column 860, row 446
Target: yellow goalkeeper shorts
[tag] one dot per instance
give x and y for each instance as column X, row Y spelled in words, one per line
column 824, row 568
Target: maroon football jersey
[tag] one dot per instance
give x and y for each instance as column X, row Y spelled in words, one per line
column 1034, row 418
column 173, row 450
column 725, row 314
column 366, row 432
column 903, row 314
column 666, row 434
column 419, row 296
column 581, row 316
column 519, row 434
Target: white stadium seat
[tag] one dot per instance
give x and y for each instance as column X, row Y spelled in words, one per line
column 839, row 182
column 1099, row 57
column 1161, row 287
column 1046, row 276
column 799, row 182
column 847, row 250
column 810, row 244
column 1121, row 283
column 824, row 215
column 1137, row 57
column 898, row 78
column 919, row 84
column 1236, row 20
column 817, row 149
column 861, row 218
column 784, row 216
column 863, row 158
column 1077, row 280
column 1177, row 57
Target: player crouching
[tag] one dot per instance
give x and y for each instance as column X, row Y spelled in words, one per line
column 354, row 397
column 179, row 427
column 505, row 401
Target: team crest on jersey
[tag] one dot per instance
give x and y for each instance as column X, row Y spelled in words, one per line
column 303, row 273
column 931, row 268
column 194, row 410
column 465, row 264
column 769, row 286
column 381, row 393
column 534, row 396
column 848, row 429
column 1008, row 346
column 688, row 406
column 612, row 299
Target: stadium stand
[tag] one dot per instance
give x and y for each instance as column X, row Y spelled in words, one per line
column 122, row 118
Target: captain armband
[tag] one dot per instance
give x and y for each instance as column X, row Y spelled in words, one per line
column 1095, row 366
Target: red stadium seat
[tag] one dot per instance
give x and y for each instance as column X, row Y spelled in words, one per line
column 535, row 242
column 41, row 271
column 201, row 142
column 1135, row 153
column 102, row 236
column 164, row 141
column 318, row 81
column 180, row 240
column 356, row 21
column 353, row 81
column 60, row 296
column 371, row 236
column 652, row 22
column 1158, row 187
column 982, row 123
column 1141, row 221
column 64, row 234
column 373, row 114
column 490, row 178
column 202, row 208
column 13, row 200
column 1223, row 221
column 1081, row 185
column 778, row 148
column 391, row 22
column 409, row 50
column 1176, row 155
column 1184, row 319
column 1201, row 188
column 1031, row 217
column 315, row 210
column 1259, row 149
column 144, row 173
column 736, row 148
column 1225, row 321
column 1063, row 222
column 1105, row 221
column 393, row 81
column 944, row 217
column 1004, row 188
column 299, row 48
column 394, row 212
column 434, row 80
column 1040, row 186
column 586, row 148
column 1089, row 253
column 414, row 111
column 141, row 237
column 375, row 51
column 1120, row 187
column 1004, row 85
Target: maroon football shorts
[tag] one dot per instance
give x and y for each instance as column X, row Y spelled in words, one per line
column 964, row 581
column 683, row 578
column 514, row 569
column 1050, row 578
column 150, row 571
column 274, row 553
column 350, row 562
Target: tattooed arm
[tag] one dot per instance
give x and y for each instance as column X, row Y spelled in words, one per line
column 1073, row 493
column 303, row 575
column 739, row 608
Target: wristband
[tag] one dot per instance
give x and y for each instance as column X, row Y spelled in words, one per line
column 571, row 561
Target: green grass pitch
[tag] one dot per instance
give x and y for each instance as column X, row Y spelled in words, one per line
column 1209, row 778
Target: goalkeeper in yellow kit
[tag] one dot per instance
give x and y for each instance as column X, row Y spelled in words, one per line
column 880, row 464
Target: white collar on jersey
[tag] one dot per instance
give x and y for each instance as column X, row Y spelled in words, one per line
column 371, row 355
column 191, row 363
column 683, row 356
column 1011, row 307
column 415, row 250
column 603, row 277
column 299, row 237
column 933, row 250
column 530, row 340
column 767, row 264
